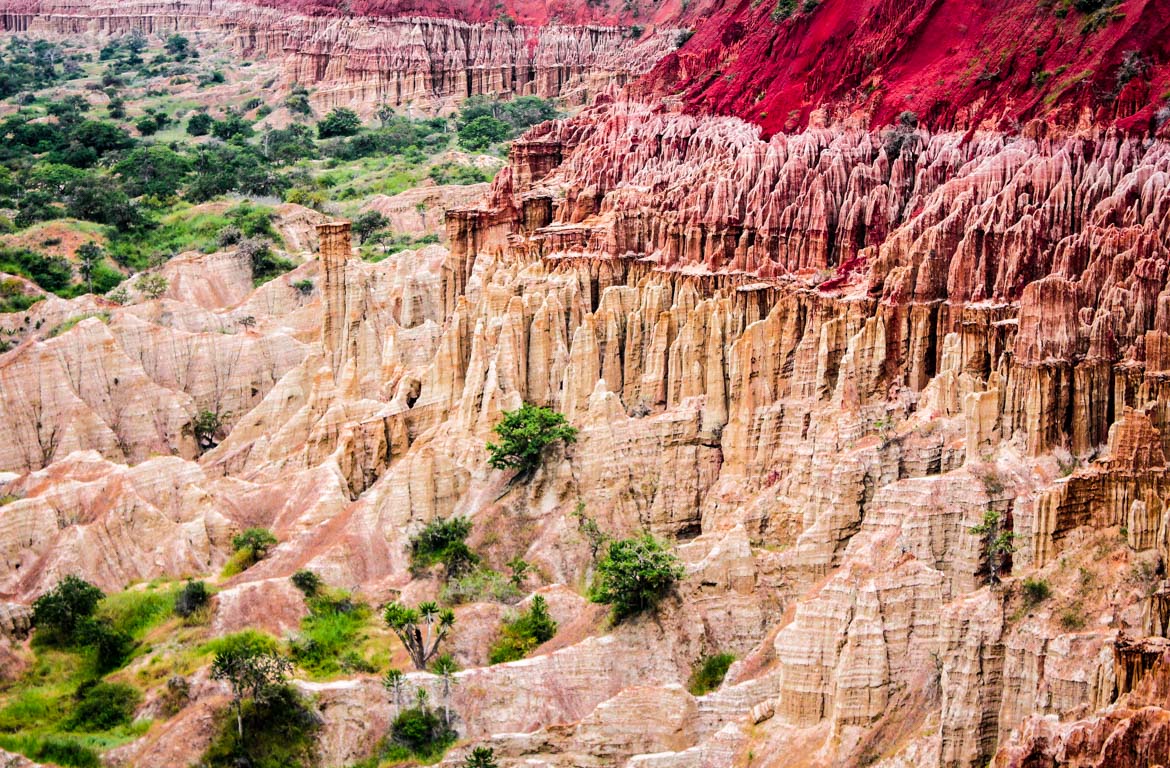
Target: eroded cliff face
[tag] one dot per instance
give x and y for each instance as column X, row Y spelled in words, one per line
column 814, row 362
column 421, row 63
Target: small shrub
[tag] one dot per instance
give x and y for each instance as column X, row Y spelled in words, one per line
column 634, row 575
column 191, row 598
column 709, row 673
column 422, row 731
column 481, row 757
column 308, row 582
column 1073, row 617
column 103, row 706
column 520, row 636
column 255, row 542
column 339, row 122
column 442, row 541
column 112, row 645
column 304, row 287
column 1036, row 591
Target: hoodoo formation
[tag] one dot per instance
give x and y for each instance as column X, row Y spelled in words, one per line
column 652, row 384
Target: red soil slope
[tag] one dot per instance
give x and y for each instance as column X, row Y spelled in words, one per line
column 952, row 62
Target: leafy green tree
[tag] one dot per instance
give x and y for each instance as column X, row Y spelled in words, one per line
column 178, row 46
column 102, row 137
column 634, row 575
column 288, row 145
column 340, row 122
column 257, row 541
column 207, row 428
column 199, row 124
column 420, row 730
column 420, row 629
column 367, row 223
column 153, row 170
column 481, row 757
column 105, row 205
column 113, row 646
column 482, row 132
column 146, row 125
column 998, row 544
column 524, row 434
column 233, row 125
column 252, row 674
column 297, row 101
column 62, row 610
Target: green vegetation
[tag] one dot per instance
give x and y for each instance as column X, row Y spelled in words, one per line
column 1035, row 591
column 422, row 732
column 61, row 709
column 330, row 635
column 635, row 575
column 308, row 582
column 60, row 613
column 339, row 122
column 481, row 757
column 998, row 544
column 480, row 584
column 709, row 673
column 483, row 121
column 522, row 634
column 250, row 547
column 442, row 541
column 191, row 599
column 420, row 629
column 524, row 434
column 277, row 729
column 103, row 706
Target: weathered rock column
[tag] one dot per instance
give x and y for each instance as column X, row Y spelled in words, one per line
column 335, row 251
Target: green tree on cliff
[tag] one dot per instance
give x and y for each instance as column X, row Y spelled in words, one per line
column 524, row 434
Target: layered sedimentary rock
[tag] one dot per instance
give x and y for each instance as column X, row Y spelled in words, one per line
column 406, row 60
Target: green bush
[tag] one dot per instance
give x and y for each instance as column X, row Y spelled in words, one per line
column 103, row 706
column 709, row 673
column 248, row 641
column 634, row 575
column 60, row 612
column 524, row 434
column 524, row 633
column 191, row 598
column 280, row 732
column 442, row 541
column 307, row 582
column 422, row 731
column 251, row 547
column 339, row 122
column 111, row 644
column 1035, row 591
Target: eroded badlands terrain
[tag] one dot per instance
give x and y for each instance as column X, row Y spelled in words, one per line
column 812, row 362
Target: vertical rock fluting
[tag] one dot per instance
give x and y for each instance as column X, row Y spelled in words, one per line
column 337, row 320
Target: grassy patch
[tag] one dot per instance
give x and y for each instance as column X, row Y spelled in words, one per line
column 709, row 673
column 331, row 636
